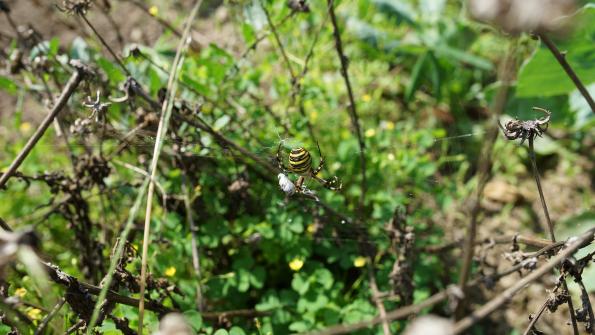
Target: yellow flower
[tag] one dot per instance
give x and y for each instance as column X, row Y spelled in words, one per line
column 34, row 313
column 25, row 127
column 366, row 98
column 20, row 292
column 296, row 264
column 170, row 271
column 154, row 10
column 391, row 156
column 370, row 132
column 390, row 125
column 313, row 116
column 359, row 262
column 311, row 228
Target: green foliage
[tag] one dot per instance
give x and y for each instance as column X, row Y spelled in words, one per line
column 423, row 75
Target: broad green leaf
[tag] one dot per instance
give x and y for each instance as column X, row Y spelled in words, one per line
column 194, row 319
column 463, row 57
column 542, row 75
column 236, row 331
column 579, row 105
column 113, row 71
column 400, row 10
column 300, row 284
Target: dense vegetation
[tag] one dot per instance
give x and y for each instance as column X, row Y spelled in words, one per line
column 438, row 212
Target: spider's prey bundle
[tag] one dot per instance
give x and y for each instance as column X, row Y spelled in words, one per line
column 286, row 185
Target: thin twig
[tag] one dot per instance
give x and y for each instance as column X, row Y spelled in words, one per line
column 49, row 317
column 141, row 5
column 352, row 106
column 397, row 314
column 71, row 86
column 541, row 196
column 278, row 40
column 375, row 297
column 105, row 289
column 485, row 164
column 229, row 73
column 166, row 112
column 577, row 243
column 586, row 304
column 534, row 318
column 561, row 58
column 550, row 226
column 194, row 242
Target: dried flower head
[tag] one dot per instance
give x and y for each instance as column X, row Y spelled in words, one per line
column 516, row 16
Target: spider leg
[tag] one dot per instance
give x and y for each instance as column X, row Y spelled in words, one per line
column 524, row 135
column 299, row 184
column 333, row 184
column 316, row 171
column 279, row 159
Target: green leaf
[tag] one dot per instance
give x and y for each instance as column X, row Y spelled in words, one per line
column 257, row 277
column 463, row 57
column 236, row 331
column 400, row 10
column 324, row 277
column 8, row 85
column 114, row 73
column 221, row 332
column 542, row 75
column 221, row 122
column 299, row 326
column 248, row 33
column 300, row 284
column 415, row 79
column 194, row 319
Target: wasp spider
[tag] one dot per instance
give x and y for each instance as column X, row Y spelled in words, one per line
column 300, row 163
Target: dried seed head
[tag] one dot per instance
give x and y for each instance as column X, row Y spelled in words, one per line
column 517, row 16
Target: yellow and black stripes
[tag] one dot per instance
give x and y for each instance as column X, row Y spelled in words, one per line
column 300, row 161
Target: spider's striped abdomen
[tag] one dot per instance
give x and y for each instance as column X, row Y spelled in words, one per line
column 300, row 161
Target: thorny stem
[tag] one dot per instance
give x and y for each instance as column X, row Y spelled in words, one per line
column 550, row 225
column 71, row 86
column 109, row 49
column 561, row 58
column 153, row 306
column 503, row 298
column 352, row 106
column 166, row 113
